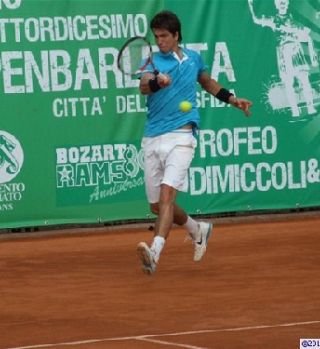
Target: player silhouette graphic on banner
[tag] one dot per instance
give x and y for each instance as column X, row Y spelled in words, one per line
column 293, row 63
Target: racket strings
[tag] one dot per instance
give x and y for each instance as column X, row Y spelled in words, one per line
column 134, row 57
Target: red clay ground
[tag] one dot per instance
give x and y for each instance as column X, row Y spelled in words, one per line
column 257, row 287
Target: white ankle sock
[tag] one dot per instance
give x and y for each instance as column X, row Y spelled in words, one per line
column 157, row 246
column 192, row 226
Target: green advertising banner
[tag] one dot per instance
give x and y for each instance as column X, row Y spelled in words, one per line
column 71, row 123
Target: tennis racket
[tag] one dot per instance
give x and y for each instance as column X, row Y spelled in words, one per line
column 135, row 57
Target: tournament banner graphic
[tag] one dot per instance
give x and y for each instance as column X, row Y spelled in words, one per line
column 71, row 122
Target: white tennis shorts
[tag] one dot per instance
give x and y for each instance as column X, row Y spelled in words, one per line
column 167, row 159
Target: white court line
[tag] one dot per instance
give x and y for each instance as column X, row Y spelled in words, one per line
column 149, row 336
column 157, row 341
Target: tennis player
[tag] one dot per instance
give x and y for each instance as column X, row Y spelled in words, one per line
column 169, row 138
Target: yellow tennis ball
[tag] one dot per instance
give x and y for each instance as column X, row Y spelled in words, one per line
column 185, row 106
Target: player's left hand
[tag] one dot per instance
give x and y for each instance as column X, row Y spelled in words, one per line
column 242, row 104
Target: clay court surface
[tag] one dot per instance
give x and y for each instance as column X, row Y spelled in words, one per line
column 258, row 287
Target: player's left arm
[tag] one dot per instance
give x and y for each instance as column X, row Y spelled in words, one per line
column 214, row 88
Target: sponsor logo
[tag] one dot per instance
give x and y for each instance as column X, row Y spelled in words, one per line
column 11, row 161
column 99, row 171
column 11, row 157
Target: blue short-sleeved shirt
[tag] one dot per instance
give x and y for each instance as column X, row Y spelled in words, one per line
column 163, row 113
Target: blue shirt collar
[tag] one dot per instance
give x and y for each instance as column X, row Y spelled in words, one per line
column 174, row 55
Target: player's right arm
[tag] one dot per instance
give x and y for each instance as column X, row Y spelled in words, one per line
column 162, row 80
column 144, row 84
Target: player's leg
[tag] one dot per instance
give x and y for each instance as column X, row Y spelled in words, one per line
column 150, row 256
column 153, row 174
column 164, row 220
column 180, row 217
column 199, row 232
column 176, row 175
column 180, row 151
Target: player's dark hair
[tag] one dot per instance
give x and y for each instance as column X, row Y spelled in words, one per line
column 167, row 20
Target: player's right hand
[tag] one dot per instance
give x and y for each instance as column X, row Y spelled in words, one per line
column 164, row 80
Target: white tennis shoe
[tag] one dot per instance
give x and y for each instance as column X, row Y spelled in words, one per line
column 203, row 235
column 146, row 257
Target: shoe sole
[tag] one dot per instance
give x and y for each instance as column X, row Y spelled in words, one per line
column 145, row 258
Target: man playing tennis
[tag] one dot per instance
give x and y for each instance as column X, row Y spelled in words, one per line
column 169, row 142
